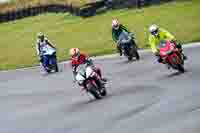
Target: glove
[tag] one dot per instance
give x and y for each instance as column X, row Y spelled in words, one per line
column 159, row 58
column 174, row 41
column 132, row 35
column 157, row 53
column 89, row 61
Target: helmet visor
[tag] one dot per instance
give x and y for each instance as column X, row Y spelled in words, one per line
column 155, row 32
column 116, row 27
column 76, row 55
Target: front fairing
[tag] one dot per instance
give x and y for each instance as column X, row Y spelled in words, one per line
column 81, row 73
column 124, row 38
column 80, row 79
column 166, row 48
column 89, row 72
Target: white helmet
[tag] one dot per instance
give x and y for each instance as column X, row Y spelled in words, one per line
column 40, row 34
column 74, row 52
column 154, row 29
column 115, row 24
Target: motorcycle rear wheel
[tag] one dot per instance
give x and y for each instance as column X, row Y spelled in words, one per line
column 180, row 68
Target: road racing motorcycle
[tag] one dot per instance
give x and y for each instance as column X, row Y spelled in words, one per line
column 170, row 54
column 49, row 60
column 90, row 81
column 128, row 46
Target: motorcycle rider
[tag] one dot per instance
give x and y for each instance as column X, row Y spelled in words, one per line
column 78, row 58
column 117, row 29
column 158, row 34
column 45, row 50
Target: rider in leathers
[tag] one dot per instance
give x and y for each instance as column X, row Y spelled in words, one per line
column 158, row 34
column 78, row 58
column 117, row 29
column 45, row 49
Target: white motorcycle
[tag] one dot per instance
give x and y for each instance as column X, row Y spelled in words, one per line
column 88, row 78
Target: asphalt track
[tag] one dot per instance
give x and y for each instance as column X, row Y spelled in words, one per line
column 144, row 97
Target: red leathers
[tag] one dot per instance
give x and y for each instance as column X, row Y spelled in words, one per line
column 82, row 59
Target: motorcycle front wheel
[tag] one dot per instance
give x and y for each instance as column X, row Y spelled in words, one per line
column 178, row 66
column 56, row 68
column 94, row 91
column 103, row 92
column 137, row 56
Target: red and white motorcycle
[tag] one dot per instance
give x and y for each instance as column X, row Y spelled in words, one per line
column 90, row 81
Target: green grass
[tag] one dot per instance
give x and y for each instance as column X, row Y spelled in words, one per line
column 93, row 35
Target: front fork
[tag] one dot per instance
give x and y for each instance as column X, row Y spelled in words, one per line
column 180, row 54
column 96, row 81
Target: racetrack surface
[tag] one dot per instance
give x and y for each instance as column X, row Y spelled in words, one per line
column 144, row 97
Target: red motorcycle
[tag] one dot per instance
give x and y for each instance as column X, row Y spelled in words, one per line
column 171, row 55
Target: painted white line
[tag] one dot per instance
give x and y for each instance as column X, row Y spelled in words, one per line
column 189, row 45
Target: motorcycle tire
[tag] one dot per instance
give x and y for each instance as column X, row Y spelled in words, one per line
column 130, row 54
column 48, row 71
column 56, row 68
column 104, row 92
column 93, row 90
column 177, row 66
column 130, row 58
column 182, row 59
column 180, row 68
column 137, row 56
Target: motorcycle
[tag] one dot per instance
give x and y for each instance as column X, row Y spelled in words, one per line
column 86, row 77
column 128, row 46
column 171, row 55
column 49, row 61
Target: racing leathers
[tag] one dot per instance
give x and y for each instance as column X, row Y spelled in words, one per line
column 45, row 50
column 84, row 59
column 162, row 35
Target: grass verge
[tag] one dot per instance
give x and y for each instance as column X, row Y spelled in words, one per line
column 93, row 35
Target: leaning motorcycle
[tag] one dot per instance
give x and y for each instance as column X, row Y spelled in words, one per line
column 87, row 78
column 171, row 55
column 50, row 57
column 128, row 46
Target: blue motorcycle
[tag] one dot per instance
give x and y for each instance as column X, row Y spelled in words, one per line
column 49, row 62
column 128, row 46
